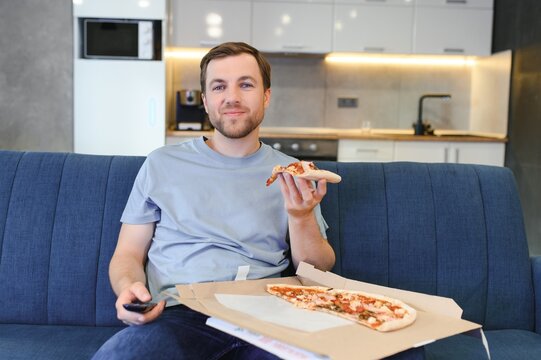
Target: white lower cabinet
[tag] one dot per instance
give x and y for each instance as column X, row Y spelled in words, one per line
column 480, row 153
column 421, row 151
column 365, row 150
column 450, row 152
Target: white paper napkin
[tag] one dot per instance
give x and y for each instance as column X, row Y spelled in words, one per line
column 280, row 312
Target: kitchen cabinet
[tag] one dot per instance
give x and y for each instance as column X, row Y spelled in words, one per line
column 373, row 26
column 453, row 27
column 321, row 26
column 207, row 23
column 365, row 150
column 293, row 26
column 450, row 152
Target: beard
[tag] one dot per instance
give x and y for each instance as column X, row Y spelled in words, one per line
column 236, row 128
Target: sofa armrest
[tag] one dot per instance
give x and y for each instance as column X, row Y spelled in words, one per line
column 536, row 275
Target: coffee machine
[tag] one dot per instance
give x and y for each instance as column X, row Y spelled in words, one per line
column 190, row 112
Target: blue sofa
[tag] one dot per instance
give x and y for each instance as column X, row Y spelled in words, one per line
column 451, row 230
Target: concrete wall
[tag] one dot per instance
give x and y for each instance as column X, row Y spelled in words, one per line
column 36, row 75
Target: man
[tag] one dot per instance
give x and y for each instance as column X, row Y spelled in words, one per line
column 199, row 210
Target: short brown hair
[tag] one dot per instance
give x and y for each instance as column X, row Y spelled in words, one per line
column 231, row 49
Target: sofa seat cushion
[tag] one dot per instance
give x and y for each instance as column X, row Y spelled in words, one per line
column 503, row 344
column 52, row 341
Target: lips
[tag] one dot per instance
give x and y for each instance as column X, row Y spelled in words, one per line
column 233, row 112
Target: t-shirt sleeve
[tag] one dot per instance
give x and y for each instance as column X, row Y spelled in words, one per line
column 140, row 209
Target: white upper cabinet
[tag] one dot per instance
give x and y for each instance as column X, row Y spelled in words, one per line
column 294, row 26
column 376, row 26
column 453, row 27
column 321, row 26
column 207, row 23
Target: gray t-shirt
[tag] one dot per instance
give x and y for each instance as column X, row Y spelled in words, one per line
column 213, row 213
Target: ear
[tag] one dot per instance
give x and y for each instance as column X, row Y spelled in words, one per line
column 266, row 97
column 204, row 102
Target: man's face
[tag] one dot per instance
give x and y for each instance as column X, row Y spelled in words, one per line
column 234, row 97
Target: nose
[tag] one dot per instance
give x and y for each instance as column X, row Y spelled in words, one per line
column 232, row 95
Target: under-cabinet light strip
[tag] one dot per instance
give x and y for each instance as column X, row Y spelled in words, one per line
column 344, row 58
column 186, row 53
column 400, row 60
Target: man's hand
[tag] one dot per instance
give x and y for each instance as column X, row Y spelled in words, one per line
column 136, row 292
column 307, row 243
column 300, row 196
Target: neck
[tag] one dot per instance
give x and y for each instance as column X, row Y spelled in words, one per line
column 235, row 147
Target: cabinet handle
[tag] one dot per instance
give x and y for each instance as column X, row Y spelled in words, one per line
column 374, row 49
column 457, row 158
column 293, row 47
column 456, row 1
column 209, row 43
column 372, row 151
column 453, row 51
column 446, row 155
column 151, row 119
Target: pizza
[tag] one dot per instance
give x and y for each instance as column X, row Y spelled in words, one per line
column 377, row 312
column 306, row 170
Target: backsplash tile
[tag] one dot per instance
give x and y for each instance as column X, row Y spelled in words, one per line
column 298, row 92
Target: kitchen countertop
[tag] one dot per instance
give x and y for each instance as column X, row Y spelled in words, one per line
column 357, row 134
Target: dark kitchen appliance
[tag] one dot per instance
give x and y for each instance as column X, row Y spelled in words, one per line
column 305, row 149
column 121, row 39
column 190, row 112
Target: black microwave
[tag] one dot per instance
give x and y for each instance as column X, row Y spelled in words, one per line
column 122, row 39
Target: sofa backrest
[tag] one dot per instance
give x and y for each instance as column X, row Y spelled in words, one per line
column 453, row 230
column 59, row 223
column 445, row 229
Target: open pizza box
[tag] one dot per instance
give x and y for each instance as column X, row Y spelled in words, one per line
column 237, row 306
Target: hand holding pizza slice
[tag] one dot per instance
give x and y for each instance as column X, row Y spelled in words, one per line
column 304, row 170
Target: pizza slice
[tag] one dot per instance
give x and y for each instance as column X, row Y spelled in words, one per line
column 377, row 312
column 306, row 170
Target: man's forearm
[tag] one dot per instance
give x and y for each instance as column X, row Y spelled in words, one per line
column 123, row 272
column 308, row 245
column 128, row 261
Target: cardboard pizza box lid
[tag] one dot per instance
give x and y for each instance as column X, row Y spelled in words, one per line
column 437, row 317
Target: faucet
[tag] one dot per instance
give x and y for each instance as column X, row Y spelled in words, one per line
column 425, row 128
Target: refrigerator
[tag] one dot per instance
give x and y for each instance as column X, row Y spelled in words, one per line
column 119, row 76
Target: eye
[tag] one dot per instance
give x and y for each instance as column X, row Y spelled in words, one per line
column 218, row 87
column 246, row 85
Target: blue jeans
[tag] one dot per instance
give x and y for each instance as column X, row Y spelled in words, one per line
column 179, row 333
